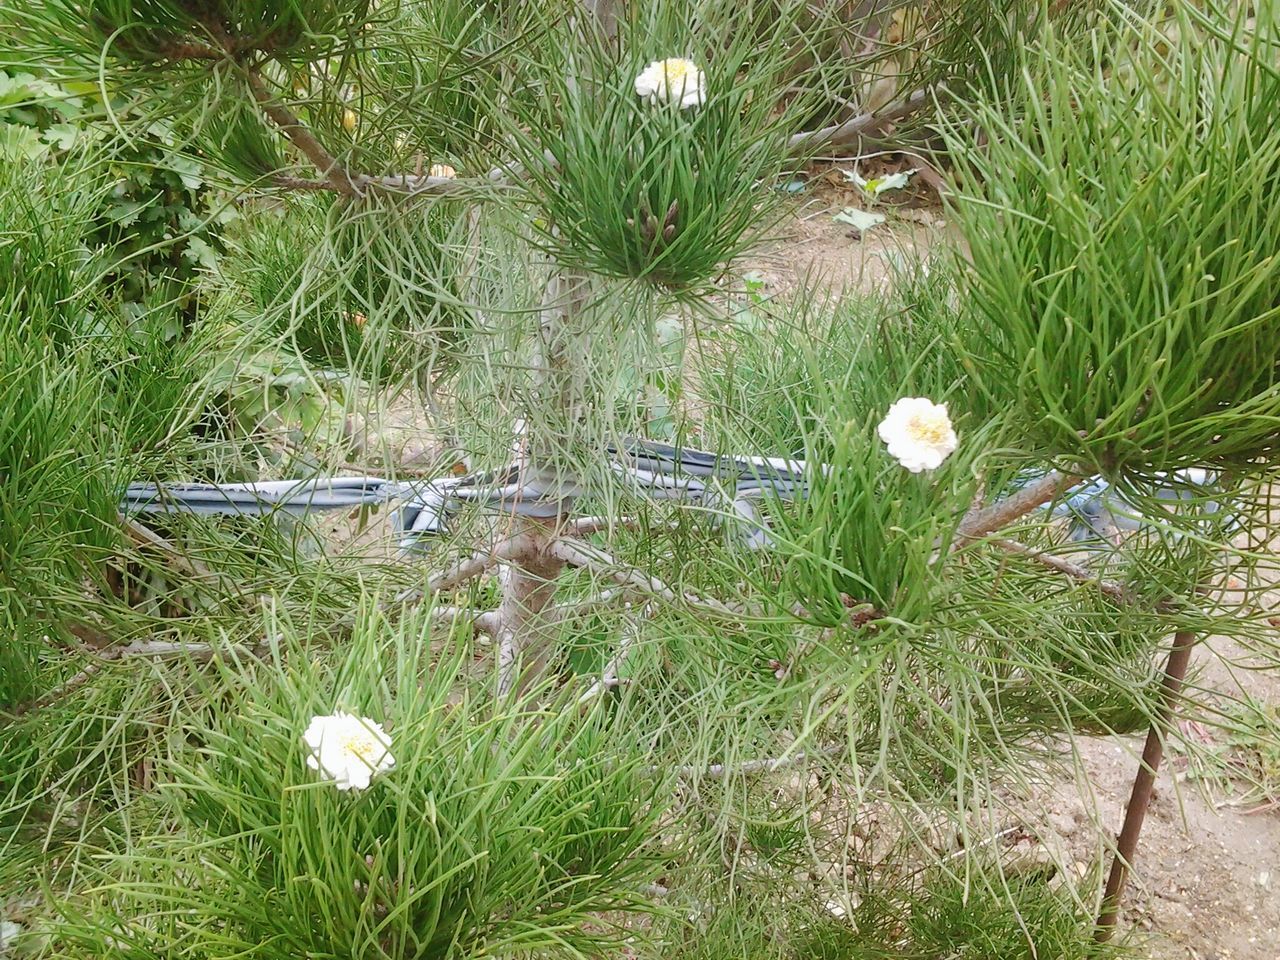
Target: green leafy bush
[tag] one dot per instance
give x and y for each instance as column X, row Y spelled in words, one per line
column 812, row 379
column 159, row 225
column 147, row 32
column 367, row 288
column 929, row 915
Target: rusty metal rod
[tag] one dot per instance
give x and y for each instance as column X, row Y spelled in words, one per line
column 1175, row 671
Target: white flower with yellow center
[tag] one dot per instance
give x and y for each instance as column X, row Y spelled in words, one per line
column 674, row 80
column 918, row 433
column 347, row 749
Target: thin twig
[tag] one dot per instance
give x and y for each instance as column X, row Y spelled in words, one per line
column 1144, row 783
column 1264, row 808
column 142, row 648
column 480, row 622
column 984, row 842
column 146, row 537
column 469, row 569
column 473, row 566
column 842, row 133
column 609, row 677
column 408, row 184
column 784, row 670
column 576, row 555
column 1073, row 570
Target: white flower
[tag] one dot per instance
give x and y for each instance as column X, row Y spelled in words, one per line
column 441, row 170
column 348, row 749
column 878, row 185
column 918, row 433
column 673, row 80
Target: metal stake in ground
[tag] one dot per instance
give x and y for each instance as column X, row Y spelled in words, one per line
column 1175, row 671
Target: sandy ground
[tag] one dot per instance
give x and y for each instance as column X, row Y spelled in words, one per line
column 1207, row 879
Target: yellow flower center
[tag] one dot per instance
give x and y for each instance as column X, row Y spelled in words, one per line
column 365, row 746
column 930, row 428
column 675, row 68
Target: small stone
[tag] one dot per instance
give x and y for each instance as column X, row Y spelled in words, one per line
column 1064, row 824
column 9, row 933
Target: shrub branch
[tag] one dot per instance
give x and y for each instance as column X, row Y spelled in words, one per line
column 981, row 521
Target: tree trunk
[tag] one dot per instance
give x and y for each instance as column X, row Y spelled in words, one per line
column 524, row 636
column 525, row 639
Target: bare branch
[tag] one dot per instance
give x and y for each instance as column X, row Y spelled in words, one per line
column 980, row 522
column 577, row 555
column 609, row 677
column 193, row 51
column 285, row 182
column 783, row 670
column 407, row 184
column 864, row 124
column 145, row 537
column 479, row 622
column 1073, row 570
column 521, row 629
column 473, row 566
column 302, row 137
